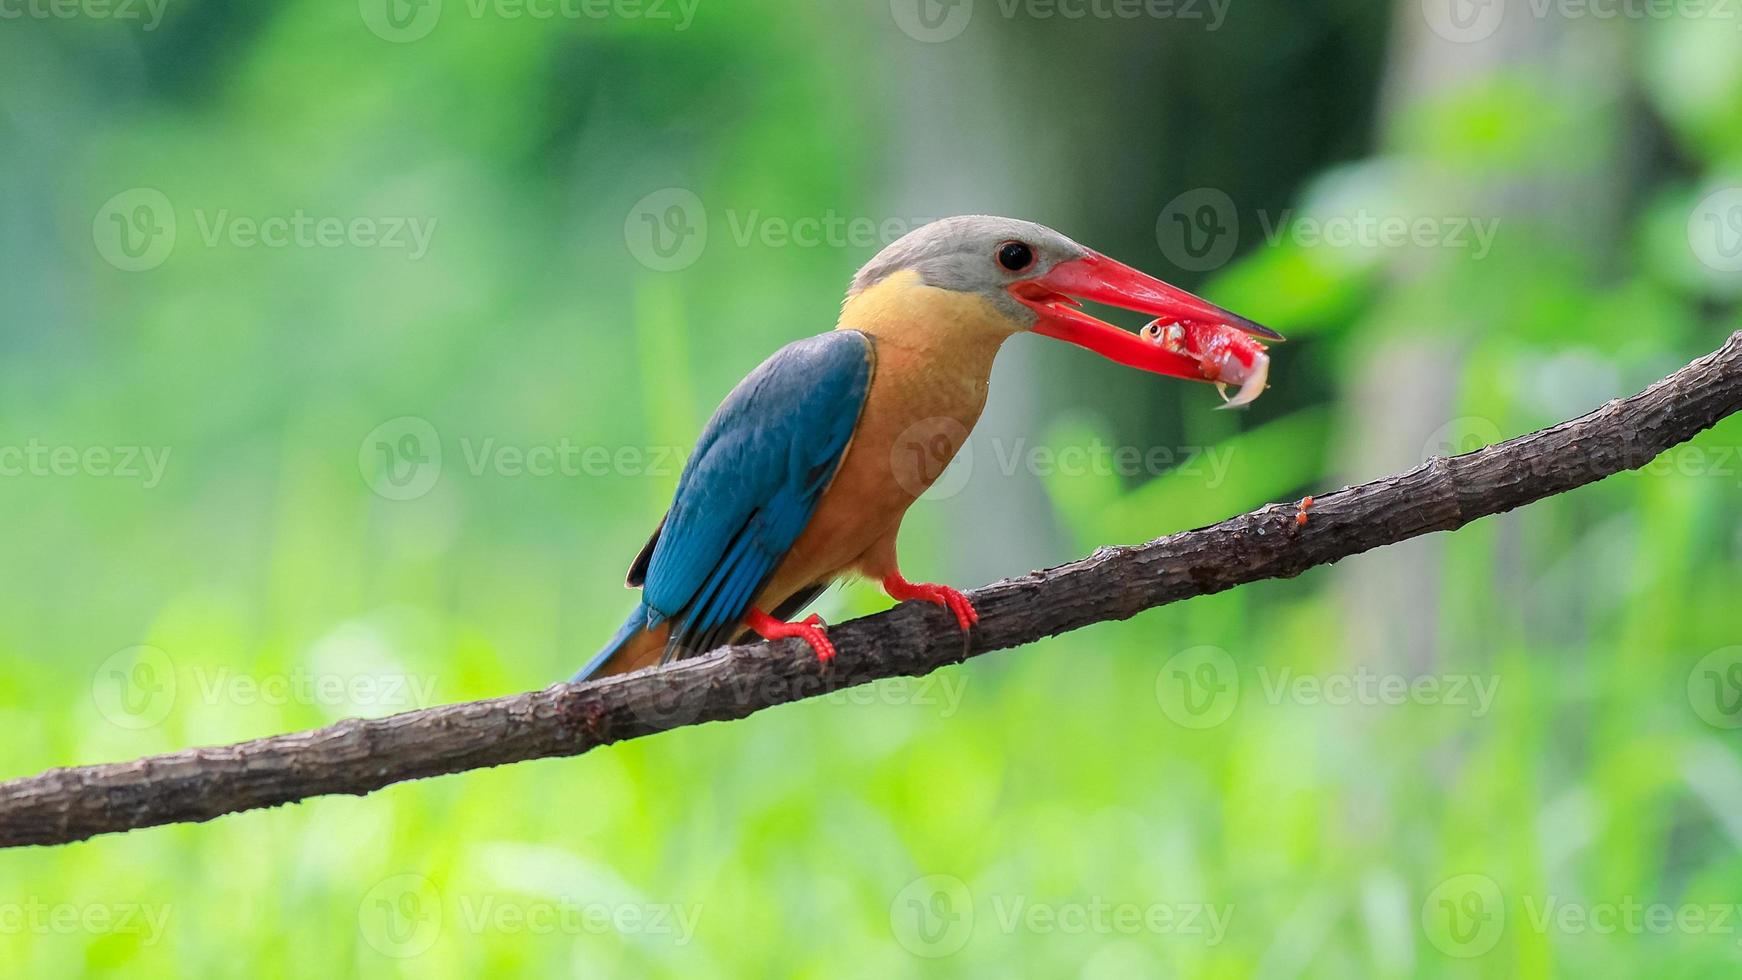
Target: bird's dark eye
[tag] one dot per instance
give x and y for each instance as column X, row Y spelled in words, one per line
column 1015, row 256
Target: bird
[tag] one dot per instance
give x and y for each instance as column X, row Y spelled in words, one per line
column 805, row 471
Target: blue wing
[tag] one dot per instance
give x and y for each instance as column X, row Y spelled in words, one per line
column 747, row 493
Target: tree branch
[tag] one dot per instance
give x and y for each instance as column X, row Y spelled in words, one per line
column 360, row 756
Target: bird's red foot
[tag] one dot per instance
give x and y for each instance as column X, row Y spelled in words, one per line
column 901, row 590
column 809, row 630
column 1300, row 517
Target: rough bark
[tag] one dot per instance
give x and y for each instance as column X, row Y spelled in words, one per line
column 360, row 756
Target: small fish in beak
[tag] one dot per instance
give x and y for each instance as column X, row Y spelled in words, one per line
column 1225, row 355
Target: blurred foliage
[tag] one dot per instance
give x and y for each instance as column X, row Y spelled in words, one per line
column 269, row 578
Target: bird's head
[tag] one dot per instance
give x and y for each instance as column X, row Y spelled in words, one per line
column 1031, row 278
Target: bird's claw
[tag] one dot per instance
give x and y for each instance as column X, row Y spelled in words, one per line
column 900, row 589
column 810, row 629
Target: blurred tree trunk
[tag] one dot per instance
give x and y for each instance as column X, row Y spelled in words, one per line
column 1405, row 386
column 1194, row 103
column 951, row 106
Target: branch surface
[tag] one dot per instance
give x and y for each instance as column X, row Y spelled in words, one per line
column 360, row 756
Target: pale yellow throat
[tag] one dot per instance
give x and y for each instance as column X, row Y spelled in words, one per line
column 903, row 311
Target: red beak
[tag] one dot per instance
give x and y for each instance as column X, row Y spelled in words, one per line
column 1100, row 279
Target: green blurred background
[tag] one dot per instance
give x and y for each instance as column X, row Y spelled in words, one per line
column 348, row 353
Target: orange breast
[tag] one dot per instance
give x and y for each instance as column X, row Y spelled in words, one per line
column 934, row 354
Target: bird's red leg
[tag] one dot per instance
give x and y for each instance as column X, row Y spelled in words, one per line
column 809, row 630
column 901, row 590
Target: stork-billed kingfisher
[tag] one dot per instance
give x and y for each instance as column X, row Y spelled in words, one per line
column 802, row 475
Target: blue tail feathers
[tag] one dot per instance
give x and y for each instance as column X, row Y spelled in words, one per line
column 642, row 618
